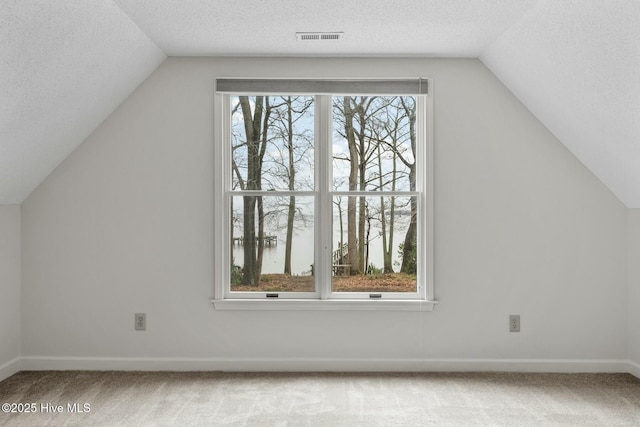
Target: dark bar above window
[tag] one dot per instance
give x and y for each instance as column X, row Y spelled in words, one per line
column 322, row 87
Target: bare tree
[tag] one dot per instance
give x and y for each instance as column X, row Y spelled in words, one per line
column 409, row 248
column 255, row 128
column 350, row 135
column 291, row 213
column 387, row 239
column 391, row 133
column 294, row 157
column 383, row 128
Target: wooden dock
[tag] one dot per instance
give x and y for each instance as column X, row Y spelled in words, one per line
column 340, row 265
column 268, row 240
column 340, row 254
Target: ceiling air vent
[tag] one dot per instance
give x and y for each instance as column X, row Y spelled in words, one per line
column 319, row 36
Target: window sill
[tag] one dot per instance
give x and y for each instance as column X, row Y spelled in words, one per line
column 323, row 305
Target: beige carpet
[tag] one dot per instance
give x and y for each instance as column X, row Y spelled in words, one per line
column 286, row 399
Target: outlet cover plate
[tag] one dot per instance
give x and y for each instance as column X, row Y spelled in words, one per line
column 140, row 322
column 514, row 323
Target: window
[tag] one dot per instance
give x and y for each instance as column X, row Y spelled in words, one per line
column 323, row 194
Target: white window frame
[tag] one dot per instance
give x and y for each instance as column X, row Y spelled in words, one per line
column 323, row 298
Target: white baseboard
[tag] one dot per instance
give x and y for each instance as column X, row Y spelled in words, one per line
column 10, row 368
column 634, row 369
column 36, row 363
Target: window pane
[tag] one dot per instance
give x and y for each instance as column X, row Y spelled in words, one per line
column 272, row 142
column 374, row 142
column 374, row 244
column 280, row 258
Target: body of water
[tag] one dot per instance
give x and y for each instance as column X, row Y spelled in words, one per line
column 303, row 252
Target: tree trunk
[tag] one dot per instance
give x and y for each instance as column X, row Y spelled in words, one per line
column 292, row 200
column 352, row 241
column 340, row 215
column 249, row 239
column 409, row 250
column 262, row 135
column 258, row 270
column 253, row 125
column 362, row 168
column 249, row 202
column 387, row 240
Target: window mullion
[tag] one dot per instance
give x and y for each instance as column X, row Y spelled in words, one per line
column 323, row 185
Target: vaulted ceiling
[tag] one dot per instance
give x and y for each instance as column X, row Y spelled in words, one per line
column 66, row 65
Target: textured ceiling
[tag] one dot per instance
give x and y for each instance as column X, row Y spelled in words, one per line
column 461, row 28
column 65, row 65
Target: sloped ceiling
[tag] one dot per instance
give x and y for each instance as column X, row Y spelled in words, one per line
column 576, row 65
column 65, row 65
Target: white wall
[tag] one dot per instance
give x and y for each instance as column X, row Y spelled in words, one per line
column 634, row 290
column 125, row 225
column 9, row 290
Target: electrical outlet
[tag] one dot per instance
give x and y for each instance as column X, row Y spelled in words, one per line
column 514, row 323
column 141, row 322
